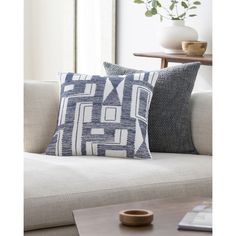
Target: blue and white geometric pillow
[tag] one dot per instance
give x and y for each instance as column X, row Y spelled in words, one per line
column 103, row 116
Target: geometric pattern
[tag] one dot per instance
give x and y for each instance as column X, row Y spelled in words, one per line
column 103, row 116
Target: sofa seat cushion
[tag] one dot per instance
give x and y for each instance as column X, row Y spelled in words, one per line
column 54, row 186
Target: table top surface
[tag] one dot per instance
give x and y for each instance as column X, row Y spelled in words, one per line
column 104, row 221
column 206, row 59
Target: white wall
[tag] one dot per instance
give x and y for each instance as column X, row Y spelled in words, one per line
column 95, row 35
column 137, row 33
column 50, row 33
column 48, row 38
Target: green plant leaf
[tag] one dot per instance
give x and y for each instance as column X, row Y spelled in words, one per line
column 182, row 15
column 192, row 15
column 156, row 3
column 184, row 4
column 148, row 13
column 193, row 7
column 138, row 1
column 197, row 3
column 172, row 6
column 154, row 11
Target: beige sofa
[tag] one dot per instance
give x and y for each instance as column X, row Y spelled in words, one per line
column 54, row 186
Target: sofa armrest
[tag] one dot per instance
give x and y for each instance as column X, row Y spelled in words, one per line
column 201, row 105
column 41, row 103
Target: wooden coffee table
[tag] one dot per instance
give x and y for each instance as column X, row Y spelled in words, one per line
column 104, row 221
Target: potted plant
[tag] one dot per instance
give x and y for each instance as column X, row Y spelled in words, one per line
column 176, row 11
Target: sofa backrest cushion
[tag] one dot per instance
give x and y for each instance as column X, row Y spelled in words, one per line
column 201, row 105
column 41, row 102
column 41, row 110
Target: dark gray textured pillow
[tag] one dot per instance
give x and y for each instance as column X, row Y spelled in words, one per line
column 113, row 69
column 169, row 124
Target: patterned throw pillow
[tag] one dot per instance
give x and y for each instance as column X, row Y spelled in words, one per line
column 103, row 116
column 169, row 115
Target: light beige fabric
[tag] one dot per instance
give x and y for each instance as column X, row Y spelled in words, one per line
column 56, row 231
column 41, row 108
column 41, row 102
column 54, row 186
column 202, row 122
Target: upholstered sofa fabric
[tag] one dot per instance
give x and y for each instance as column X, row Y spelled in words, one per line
column 201, row 117
column 54, row 186
column 169, row 126
column 41, row 110
column 41, row 102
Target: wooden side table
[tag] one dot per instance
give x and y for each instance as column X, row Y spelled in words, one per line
column 178, row 58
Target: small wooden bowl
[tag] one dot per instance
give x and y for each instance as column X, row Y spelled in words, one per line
column 194, row 48
column 136, row 217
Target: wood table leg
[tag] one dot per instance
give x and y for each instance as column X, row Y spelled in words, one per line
column 164, row 63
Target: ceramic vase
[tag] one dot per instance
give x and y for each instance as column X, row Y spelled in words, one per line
column 171, row 37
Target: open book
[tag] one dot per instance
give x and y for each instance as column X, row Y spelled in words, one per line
column 200, row 218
